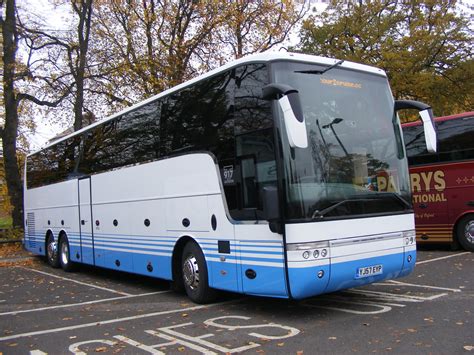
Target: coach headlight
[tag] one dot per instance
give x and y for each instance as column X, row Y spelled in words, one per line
column 316, row 249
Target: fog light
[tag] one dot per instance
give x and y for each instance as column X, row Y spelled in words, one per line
column 409, row 258
column 320, row 274
column 316, row 253
column 324, row 252
column 306, row 254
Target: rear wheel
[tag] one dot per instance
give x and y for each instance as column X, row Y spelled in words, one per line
column 65, row 255
column 195, row 276
column 52, row 251
column 465, row 232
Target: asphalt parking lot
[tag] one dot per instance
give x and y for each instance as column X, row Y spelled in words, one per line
column 48, row 311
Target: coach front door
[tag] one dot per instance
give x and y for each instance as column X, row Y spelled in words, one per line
column 85, row 221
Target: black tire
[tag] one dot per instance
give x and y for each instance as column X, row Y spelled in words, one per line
column 465, row 232
column 195, row 275
column 65, row 255
column 52, row 254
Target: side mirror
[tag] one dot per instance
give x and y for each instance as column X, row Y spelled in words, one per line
column 289, row 102
column 271, row 208
column 426, row 115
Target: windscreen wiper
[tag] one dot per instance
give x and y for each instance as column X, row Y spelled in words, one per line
column 320, row 72
column 396, row 196
column 360, row 198
column 328, row 209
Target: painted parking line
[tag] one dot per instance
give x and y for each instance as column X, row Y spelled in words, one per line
column 177, row 335
column 391, row 282
column 442, row 258
column 115, row 320
column 82, row 303
column 78, row 282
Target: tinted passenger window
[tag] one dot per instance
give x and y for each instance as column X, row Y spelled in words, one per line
column 54, row 164
column 456, row 139
column 127, row 140
column 455, row 142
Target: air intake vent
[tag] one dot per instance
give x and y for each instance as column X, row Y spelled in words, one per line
column 31, row 230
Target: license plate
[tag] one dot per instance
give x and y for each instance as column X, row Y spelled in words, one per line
column 367, row 271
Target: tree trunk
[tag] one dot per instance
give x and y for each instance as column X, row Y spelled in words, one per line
column 10, row 129
column 84, row 11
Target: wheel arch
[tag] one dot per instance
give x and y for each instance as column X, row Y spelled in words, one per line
column 62, row 234
column 176, row 256
column 48, row 233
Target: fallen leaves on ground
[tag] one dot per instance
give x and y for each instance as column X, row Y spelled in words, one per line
column 10, row 250
column 15, row 250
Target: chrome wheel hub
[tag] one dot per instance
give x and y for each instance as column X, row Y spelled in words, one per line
column 64, row 253
column 52, row 249
column 191, row 272
column 469, row 232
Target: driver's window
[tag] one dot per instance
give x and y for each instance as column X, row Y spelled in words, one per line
column 253, row 164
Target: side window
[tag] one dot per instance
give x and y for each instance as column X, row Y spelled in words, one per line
column 415, row 145
column 413, row 137
column 252, row 165
column 196, row 118
column 136, row 138
column 455, row 139
column 454, row 142
column 54, row 164
column 38, row 170
column 126, row 140
column 98, row 145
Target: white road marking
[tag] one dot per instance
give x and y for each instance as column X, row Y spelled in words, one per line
column 81, row 303
column 74, row 348
column 442, row 258
column 387, row 295
column 200, row 339
column 173, row 341
column 395, row 282
column 379, row 308
column 148, row 349
column 111, row 321
column 79, row 282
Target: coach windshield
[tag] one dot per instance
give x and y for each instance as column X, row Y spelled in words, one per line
column 354, row 164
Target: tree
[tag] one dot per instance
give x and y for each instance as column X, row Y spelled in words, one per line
column 62, row 63
column 424, row 46
column 155, row 45
column 256, row 26
column 9, row 130
column 13, row 100
column 83, row 10
column 151, row 45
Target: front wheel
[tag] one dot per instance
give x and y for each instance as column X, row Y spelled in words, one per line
column 65, row 255
column 195, row 276
column 465, row 232
column 52, row 251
